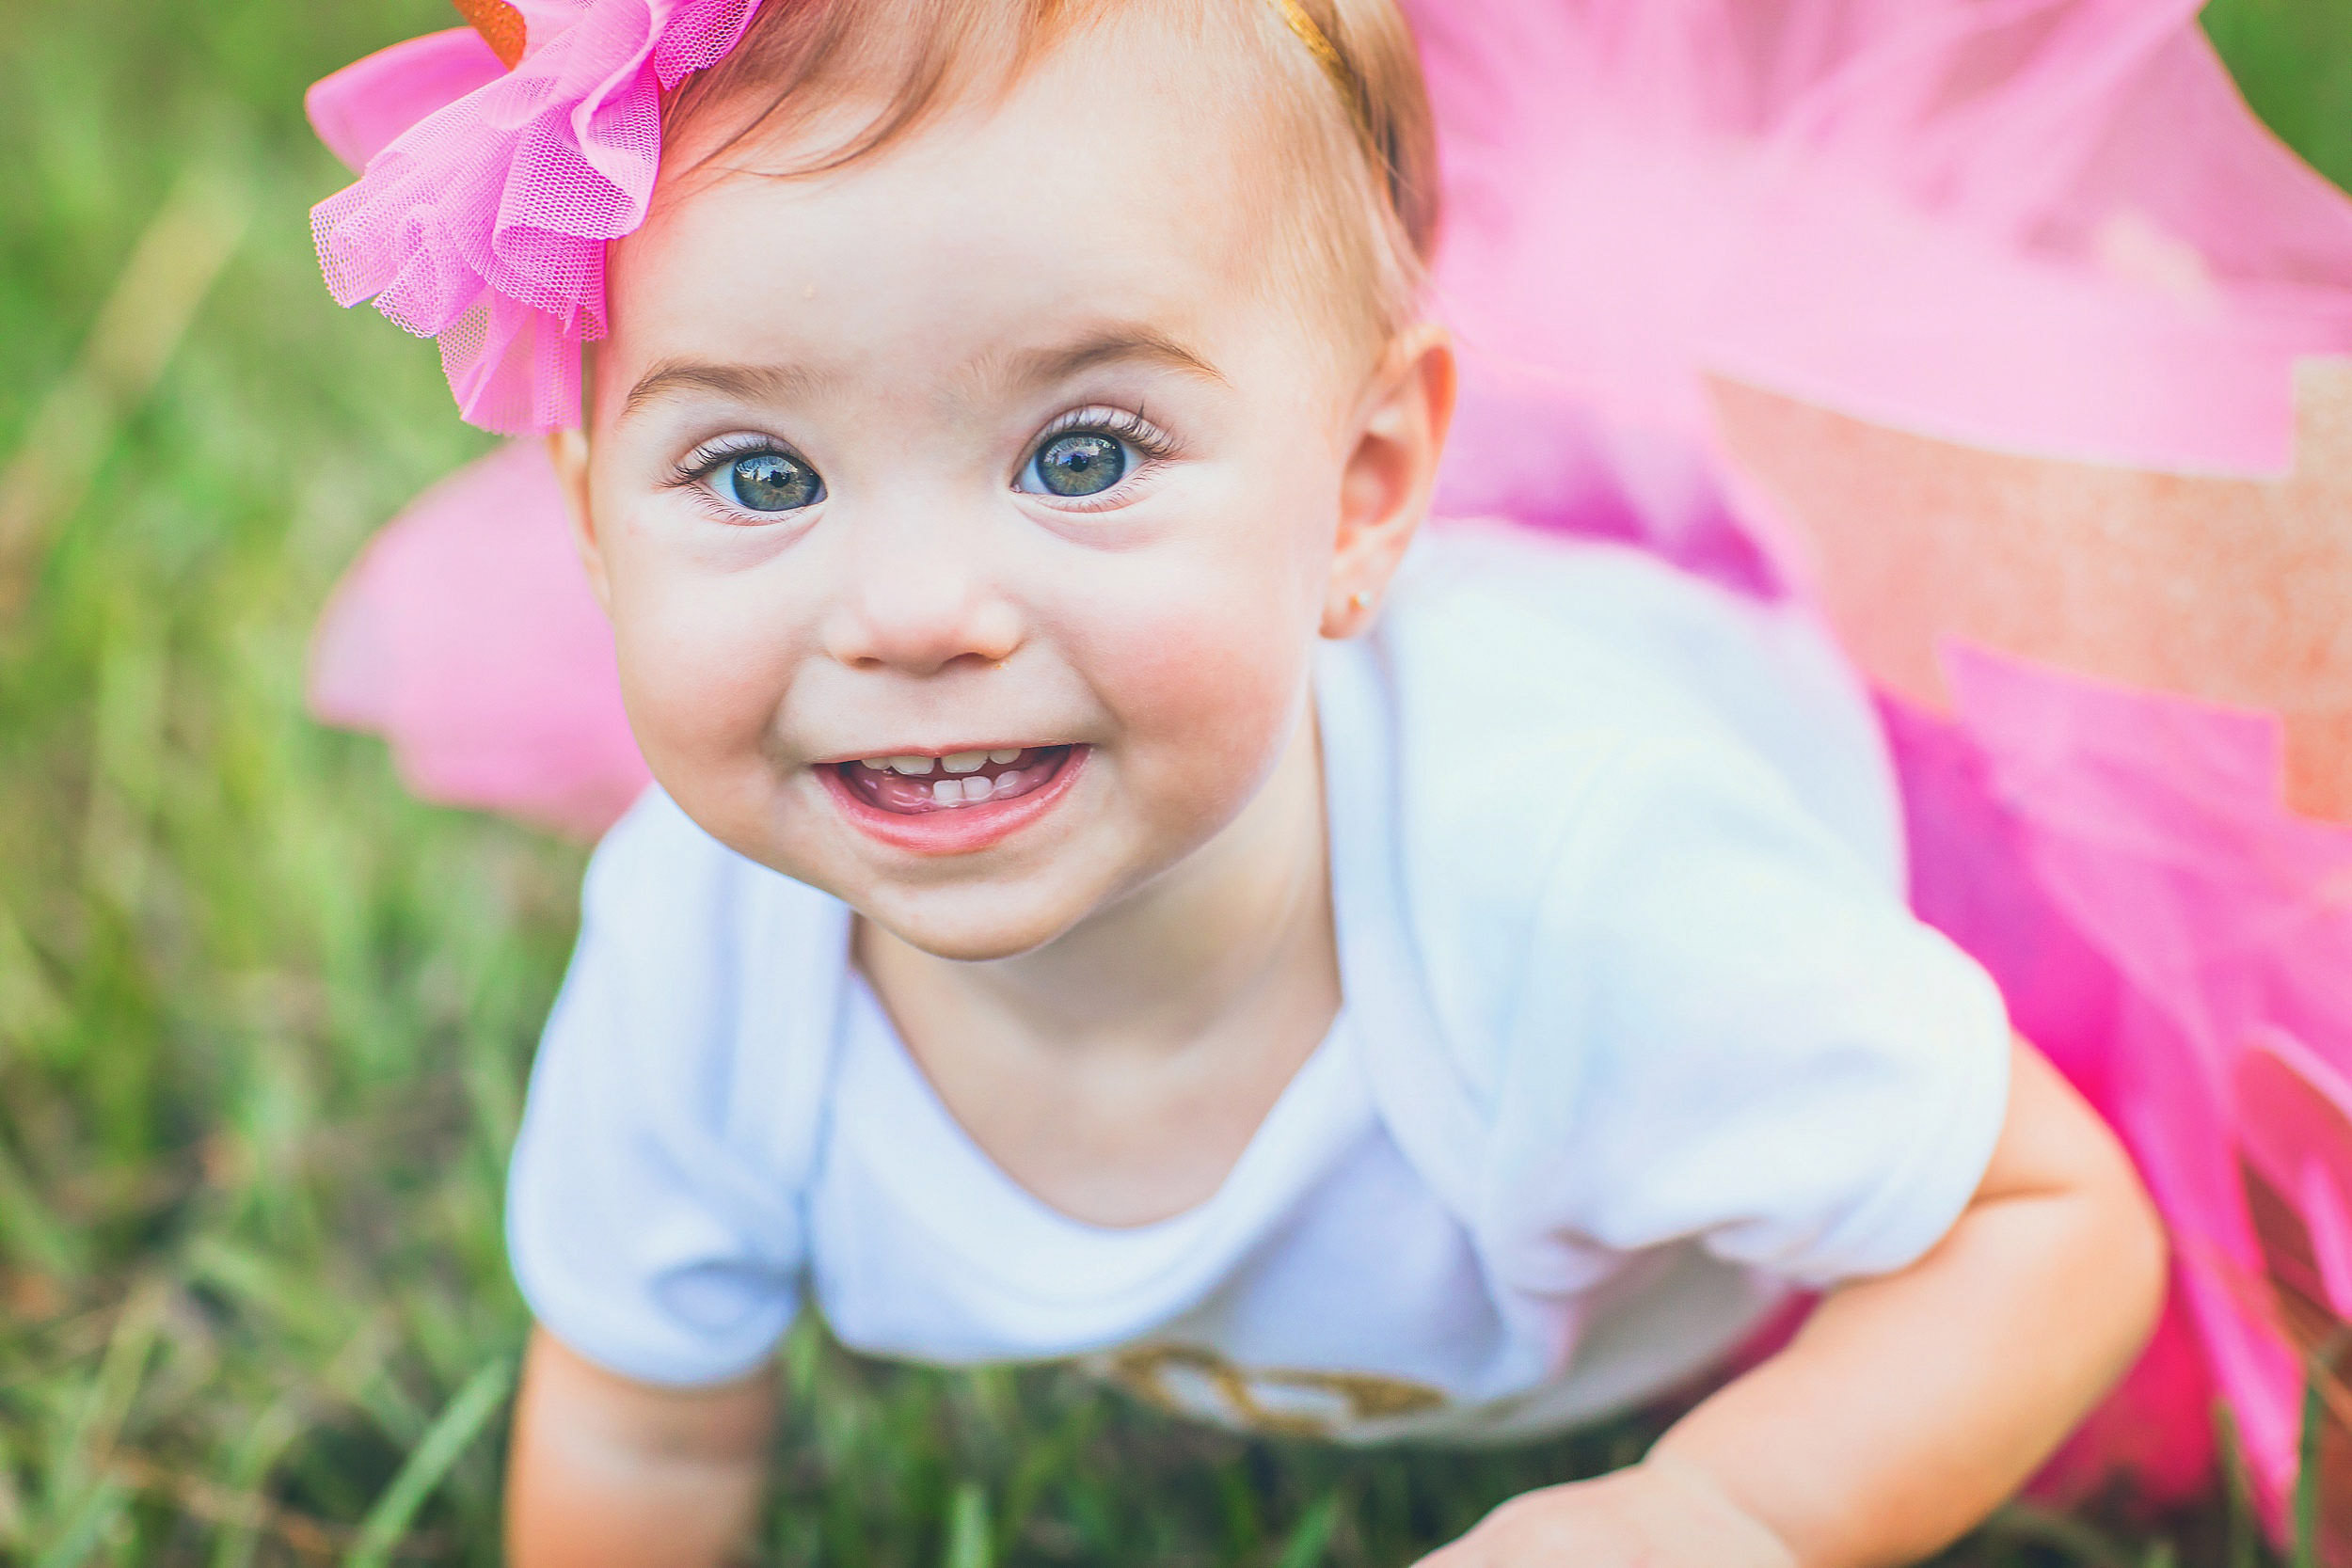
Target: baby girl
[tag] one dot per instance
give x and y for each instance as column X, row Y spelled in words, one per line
column 1109, row 894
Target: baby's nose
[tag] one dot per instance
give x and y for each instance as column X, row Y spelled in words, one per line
column 920, row 617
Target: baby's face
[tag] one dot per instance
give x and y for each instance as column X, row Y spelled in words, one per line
column 967, row 517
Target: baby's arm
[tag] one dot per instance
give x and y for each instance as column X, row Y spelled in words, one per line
column 1910, row 1404
column 610, row 1473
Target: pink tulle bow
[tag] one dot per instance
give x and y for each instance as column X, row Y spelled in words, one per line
column 483, row 223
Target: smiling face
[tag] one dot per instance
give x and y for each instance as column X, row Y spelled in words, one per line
column 967, row 516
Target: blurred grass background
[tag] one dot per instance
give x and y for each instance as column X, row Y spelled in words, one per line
column 264, row 1021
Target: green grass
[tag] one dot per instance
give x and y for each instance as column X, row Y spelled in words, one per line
column 263, row 1020
column 2293, row 59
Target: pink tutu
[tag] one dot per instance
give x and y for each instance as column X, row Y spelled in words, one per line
column 466, row 634
column 1978, row 323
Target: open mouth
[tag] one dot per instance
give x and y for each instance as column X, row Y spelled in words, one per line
column 911, row 785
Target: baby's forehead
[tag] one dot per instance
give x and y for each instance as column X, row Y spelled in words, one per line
column 1088, row 209
column 1131, row 98
column 1054, row 238
column 1191, row 131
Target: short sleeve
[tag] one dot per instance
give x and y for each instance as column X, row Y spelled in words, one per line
column 653, row 1226
column 1733, row 1032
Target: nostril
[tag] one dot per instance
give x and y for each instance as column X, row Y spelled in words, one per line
column 997, row 632
column 907, row 633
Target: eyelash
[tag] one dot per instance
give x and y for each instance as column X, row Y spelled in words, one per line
column 1132, row 427
column 694, row 469
column 708, row 458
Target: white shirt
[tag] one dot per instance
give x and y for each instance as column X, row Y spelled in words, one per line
column 1637, row 1033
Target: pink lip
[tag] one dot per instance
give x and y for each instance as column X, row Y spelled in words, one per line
column 962, row 831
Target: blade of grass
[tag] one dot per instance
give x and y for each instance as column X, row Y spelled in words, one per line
column 13, row 1514
column 451, row 1434
column 77, row 1543
column 2237, row 1491
column 248, row 1471
column 107, row 1404
column 168, row 274
column 29, row 1004
column 30, row 1231
column 2306, row 1470
column 2034, row 1526
column 1307, row 1542
column 968, row 1546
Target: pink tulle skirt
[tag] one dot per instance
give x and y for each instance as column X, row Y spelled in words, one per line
column 1981, row 323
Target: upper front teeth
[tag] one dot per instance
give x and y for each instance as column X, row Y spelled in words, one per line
column 954, row 762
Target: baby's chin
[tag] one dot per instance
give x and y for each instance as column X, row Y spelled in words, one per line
column 972, row 914
column 976, row 921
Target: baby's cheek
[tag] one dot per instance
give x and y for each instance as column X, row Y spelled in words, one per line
column 700, row 674
column 1206, row 701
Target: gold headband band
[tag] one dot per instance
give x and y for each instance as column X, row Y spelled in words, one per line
column 500, row 25
column 1326, row 54
column 1318, row 44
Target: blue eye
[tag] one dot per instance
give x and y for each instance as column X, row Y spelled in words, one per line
column 766, row 481
column 1077, row 463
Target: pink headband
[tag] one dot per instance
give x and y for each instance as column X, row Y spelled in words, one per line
column 498, row 159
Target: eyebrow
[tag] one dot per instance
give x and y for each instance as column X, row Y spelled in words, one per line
column 742, row 383
column 1104, row 345
column 1107, row 345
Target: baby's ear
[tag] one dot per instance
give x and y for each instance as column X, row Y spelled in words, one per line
column 567, row 454
column 1391, row 469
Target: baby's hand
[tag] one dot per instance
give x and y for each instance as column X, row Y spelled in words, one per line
column 1661, row 1513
